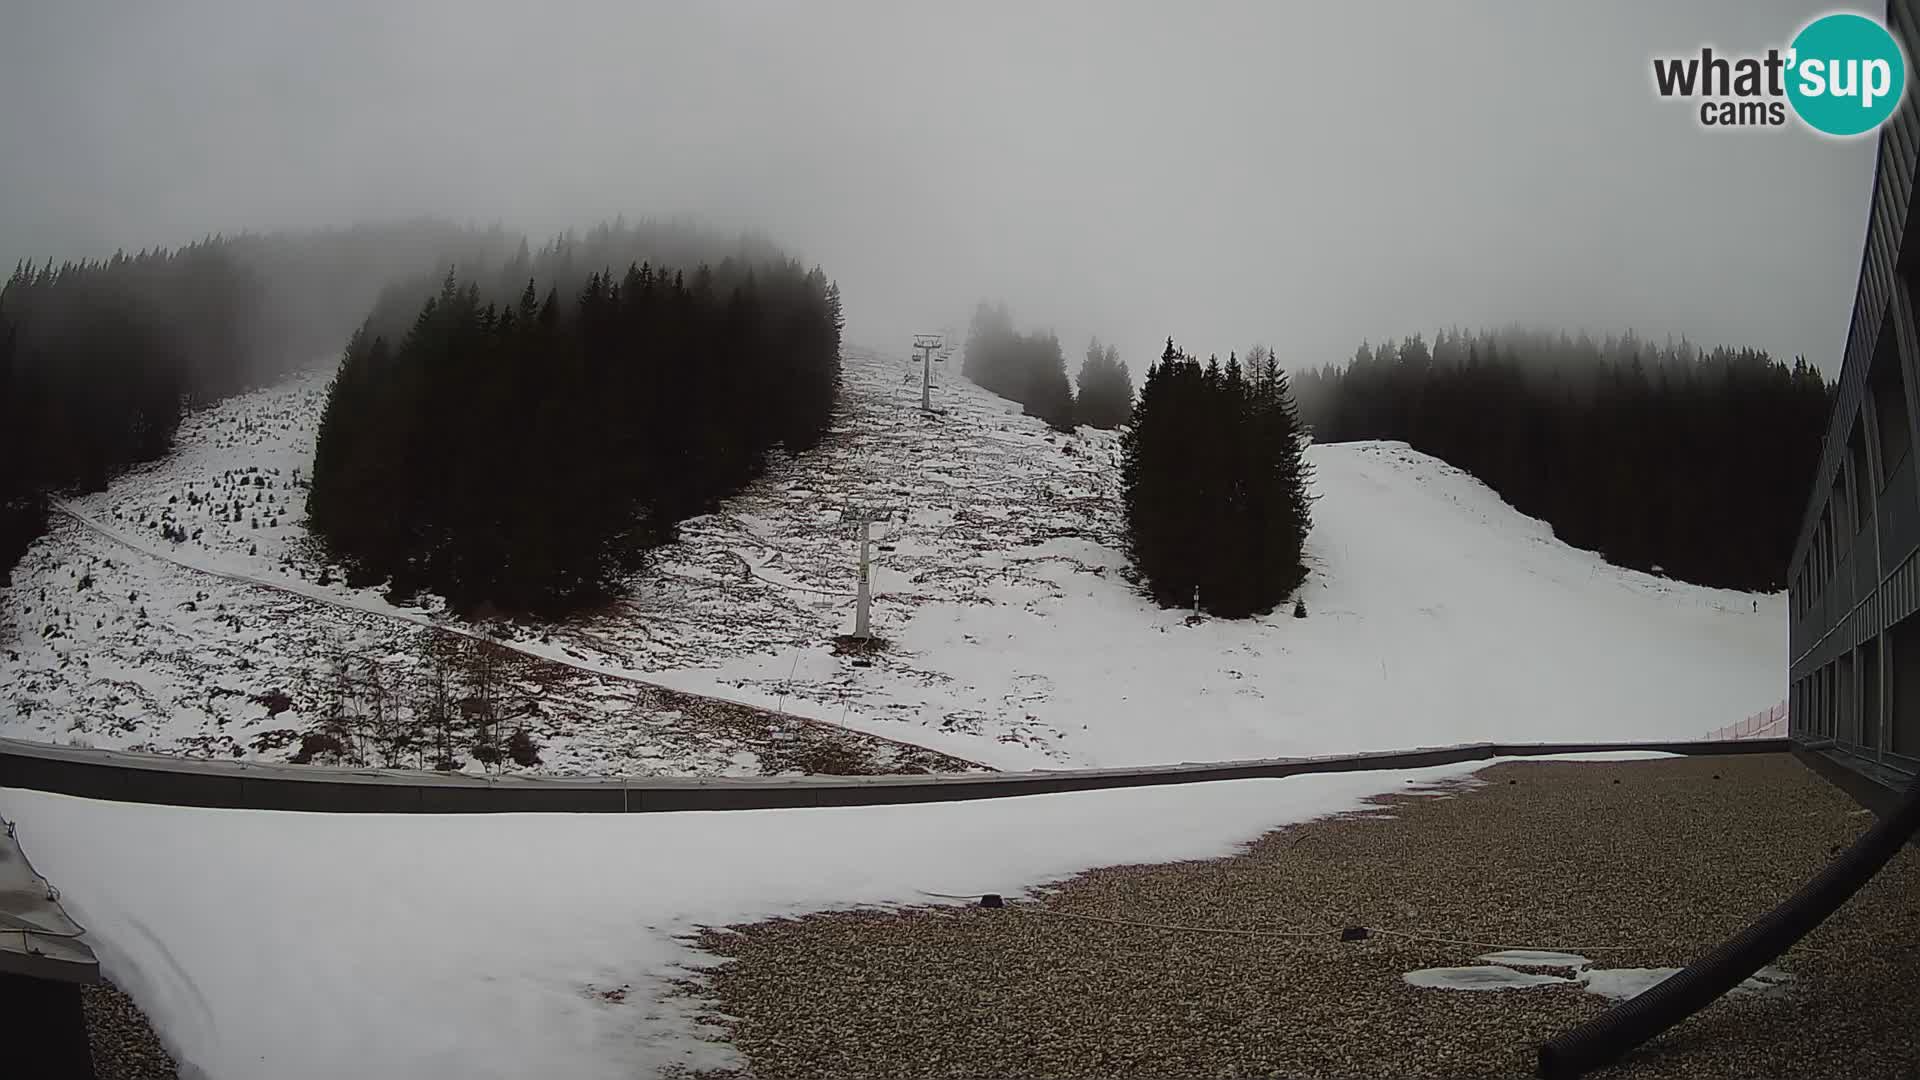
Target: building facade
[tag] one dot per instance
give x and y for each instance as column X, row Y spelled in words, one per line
column 1854, row 583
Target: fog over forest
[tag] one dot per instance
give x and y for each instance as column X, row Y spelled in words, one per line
column 1305, row 175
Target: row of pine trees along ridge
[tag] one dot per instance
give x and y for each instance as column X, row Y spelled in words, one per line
column 1030, row 368
column 99, row 357
column 1667, row 457
column 518, row 434
column 523, row 456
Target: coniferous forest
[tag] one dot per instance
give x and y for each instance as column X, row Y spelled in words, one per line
column 1027, row 368
column 520, row 453
column 1693, row 463
column 1105, row 398
column 1214, row 484
column 98, row 358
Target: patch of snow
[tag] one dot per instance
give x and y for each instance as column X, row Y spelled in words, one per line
column 1535, row 958
column 1623, row 983
column 298, row 945
column 1619, row 984
column 1479, row 978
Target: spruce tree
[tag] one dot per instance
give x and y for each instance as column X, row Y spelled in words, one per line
column 1214, row 485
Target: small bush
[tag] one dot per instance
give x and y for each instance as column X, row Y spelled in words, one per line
column 1299, row 608
column 316, row 744
column 521, row 748
column 276, row 701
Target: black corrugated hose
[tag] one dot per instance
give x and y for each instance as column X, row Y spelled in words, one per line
column 1613, row 1033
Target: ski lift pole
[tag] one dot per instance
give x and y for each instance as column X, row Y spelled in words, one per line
column 925, row 344
column 861, row 617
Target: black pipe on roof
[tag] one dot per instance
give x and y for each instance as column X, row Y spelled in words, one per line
column 1611, row 1035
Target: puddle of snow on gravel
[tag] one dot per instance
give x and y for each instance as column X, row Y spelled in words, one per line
column 1623, row 983
column 1535, row 958
column 1619, row 984
column 1487, row 977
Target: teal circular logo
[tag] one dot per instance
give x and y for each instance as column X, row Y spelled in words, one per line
column 1845, row 74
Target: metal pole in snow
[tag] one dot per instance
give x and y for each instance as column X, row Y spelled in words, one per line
column 860, row 615
column 925, row 344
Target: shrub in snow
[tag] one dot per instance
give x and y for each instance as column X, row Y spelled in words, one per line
column 1299, row 609
column 276, row 701
column 317, row 744
column 521, row 748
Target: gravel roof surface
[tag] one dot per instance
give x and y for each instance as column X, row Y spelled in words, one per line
column 122, row 1041
column 1632, row 864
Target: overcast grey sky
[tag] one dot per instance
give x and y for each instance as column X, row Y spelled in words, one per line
column 1304, row 174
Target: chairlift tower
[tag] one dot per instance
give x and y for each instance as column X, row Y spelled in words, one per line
column 927, row 345
column 865, row 516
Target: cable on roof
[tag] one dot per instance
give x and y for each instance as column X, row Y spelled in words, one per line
column 1347, row 933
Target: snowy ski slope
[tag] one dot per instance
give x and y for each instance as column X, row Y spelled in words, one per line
column 1437, row 614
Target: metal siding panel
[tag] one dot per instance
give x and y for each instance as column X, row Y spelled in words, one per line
column 1893, row 200
column 1901, row 140
column 1882, row 263
column 1899, row 183
column 1884, row 232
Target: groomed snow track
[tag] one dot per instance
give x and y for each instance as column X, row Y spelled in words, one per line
column 124, row 776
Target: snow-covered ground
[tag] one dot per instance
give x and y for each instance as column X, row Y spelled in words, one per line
column 1436, row 614
column 313, row 945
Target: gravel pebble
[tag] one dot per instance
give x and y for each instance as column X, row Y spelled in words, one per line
column 122, row 1041
column 1632, row 864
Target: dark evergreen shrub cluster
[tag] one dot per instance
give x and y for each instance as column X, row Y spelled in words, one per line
column 522, row 455
column 1215, row 485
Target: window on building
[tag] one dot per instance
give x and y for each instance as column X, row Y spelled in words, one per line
column 1826, row 546
column 1846, row 712
column 1824, row 700
column 1903, row 687
column 1817, row 561
column 1863, row 483
column 1867, row 694
column 1889, row 408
